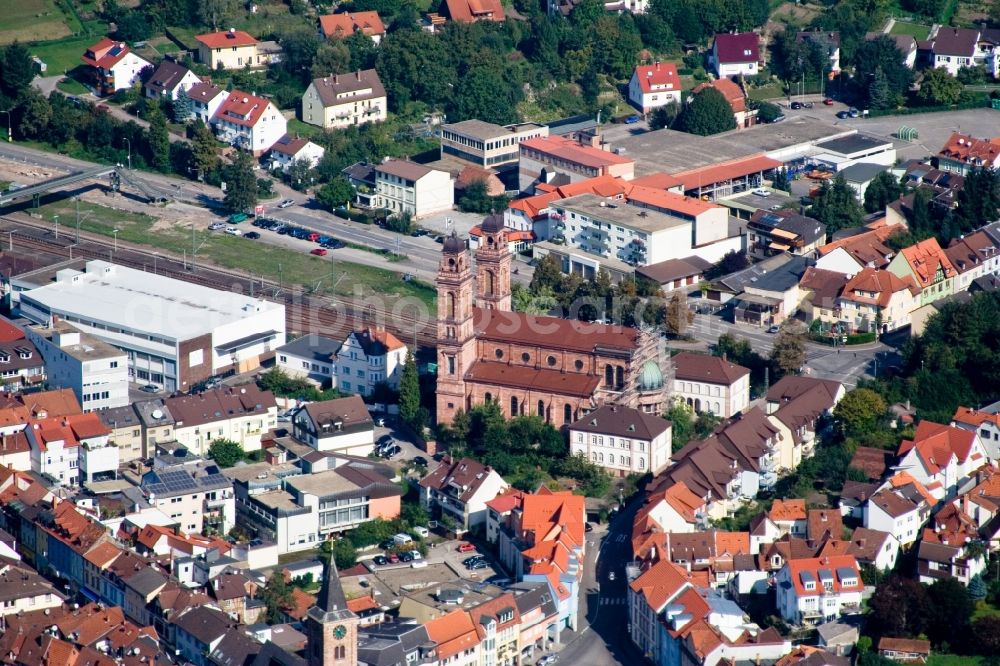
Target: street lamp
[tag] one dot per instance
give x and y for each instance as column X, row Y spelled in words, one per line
column 129, row 144
column 55, row 218
column 115, row 233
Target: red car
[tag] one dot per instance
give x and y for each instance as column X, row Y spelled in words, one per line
column 319, row 252
column 828, row 101
column 313, row 237
column 466, row 547
column 393, row 558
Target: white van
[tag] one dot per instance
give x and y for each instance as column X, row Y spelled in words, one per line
column 422, row 532
column 402, row 539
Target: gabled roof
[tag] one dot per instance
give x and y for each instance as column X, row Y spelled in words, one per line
column 377, row 341
column 350, row 413
column 105, row 53
column 785, row 510
column 867, row 247
column 737, row 48
column 350, row 88
column 730, row 90
column 907, row 645
column 346, row 24
column 204, row 92
column 876, row 287
column 842, row 570
column 924, row 259
column 660, row 583
column 892, row 503
column 230, row 38
column 573, row 151
column 658, row 76
column 453, row 633
column 973, row 151
column 219, row 404
column 667, row 271
column 936, row 444
column 956, row 41
column 465, row 475
column 467, row 11
column 241, row 108
column 166, row 77
column 970, row 251
column 866, row 544
column 291, row 146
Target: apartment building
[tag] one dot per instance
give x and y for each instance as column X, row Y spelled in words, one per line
column 232, row 49
column 711, row 384
column 487, row 145
column 459, row 490
column 900, row 512
column 343, row 100
column 815, row 590
column 929, row 268
column 402, row 186
column 240, row 414
column 112, row 66
column 289, row 150
column 205, row 101
column 249, row 122
column 962, row 153
column 342, row 425
column 96, row 371
column 622, row 440
column 192, row 491
column 367, row 358
column 57, row 444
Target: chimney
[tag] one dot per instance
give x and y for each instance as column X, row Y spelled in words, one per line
column 359, row 75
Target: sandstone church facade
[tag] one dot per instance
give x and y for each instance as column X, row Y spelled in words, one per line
column 558, row 369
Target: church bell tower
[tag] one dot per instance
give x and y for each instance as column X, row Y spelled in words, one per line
column 456, row 339
column 331, row 627
column 493, row 260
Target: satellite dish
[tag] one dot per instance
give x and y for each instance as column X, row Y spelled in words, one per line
column 157, row 413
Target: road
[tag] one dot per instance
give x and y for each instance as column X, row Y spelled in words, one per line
column 846, row 365
column 602, row 635
column 424, row 254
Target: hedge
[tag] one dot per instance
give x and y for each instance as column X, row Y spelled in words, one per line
column 909, row 111
column 353, row 215
column 853, row 339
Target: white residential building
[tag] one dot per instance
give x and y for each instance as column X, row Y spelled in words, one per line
column 955, row 48
column 288, row 150
column 233, row 49
column 402, row 186
column 242, row 414
column 96, row 371
column 249, row 122
column 622, row 440
column 460, row 490
column 205, row 101
column 816, row 590
column 653, row 86
column 192, row 492
column 113, row 66
column 342, row 426
column 711, row 384
column 343, row 100
column 734, row 54
column 311, row 356
column 174, row 333
column 901, row 512
column 169, row 79
column 99, row 461
column 368, row 357
column 940, row 457
column 55, row 444
column 675, row 510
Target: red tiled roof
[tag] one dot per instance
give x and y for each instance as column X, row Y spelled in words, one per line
column 909, row 645
column 658, row 76
column 242, row 108
column 732, row 92
column 833, row 564
column 660, row 583
column 105, row 53
column 884, row 284
column 705, row 368
column 551, row 332
column 936, row 443
column 571, row 151
column 453, row 633
column 221, row 40
column 9, row 332
column 925, row 258
column 669, row 201
column 741, row 47
column 534, row 379
column 966, row 148
column 786, row 510
column 467, row 11
column 974, row 417
column 344, row 25
column 725, row 171
column 604, row 186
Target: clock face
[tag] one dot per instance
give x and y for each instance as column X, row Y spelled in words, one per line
column 339, row 631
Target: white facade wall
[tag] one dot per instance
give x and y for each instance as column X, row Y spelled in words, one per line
column 98, row 384
column 647, row 102
column 231, row 57
column 905, row 529
column 297, row 366
column 952, row 63
column 620, row 455
column 188, row 80
column 126, row 71
column 349, row 111
column 30, row 603
column 358, row 373
column 719, row 399
column 205, row 110
column 353, row 444
column 295, row 533
column 840, row 261
column 270, row 127
column 57, row 461
column 269, row 319
column 491, row 486
column 791, row 606
column 246, row 430
column 96, row 460
column 432, row 193
column 310, row 152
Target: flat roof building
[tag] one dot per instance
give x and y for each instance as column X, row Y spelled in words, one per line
column 175, row 333
column 485, row 144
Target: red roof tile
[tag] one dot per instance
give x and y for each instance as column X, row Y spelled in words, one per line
column 230, row 38
column 737, row 48
column 658, row 76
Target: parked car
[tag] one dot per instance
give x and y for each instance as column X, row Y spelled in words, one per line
column 469, row 560
column 391, row 451
column 807, row 105
column 384, row 440
column 252, row 235
column 150, row 388
column 611, row 575
column 795, row 106
column 406, row 556
column 236, row 218
column 380, row 560
column 421, row 531
column 215, row 226
column 318, row 251
column 420, row 460
column 828, row 101
column 843, row 115
column 393, row 558
column 761, row 192
column 547, row 660
column 632, row 120
column 466, row 547
column 402, row 539
column 387, row 544
column 313, row 237
column 774, row 329
column 280, row 229
column 334, row 244
column 415, row 555
column 287, row 203
column 587, row 527
column 854, row 113
column 477, row 565
column 233, row 231
column 779, row 118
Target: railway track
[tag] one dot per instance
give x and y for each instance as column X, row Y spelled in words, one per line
column 304, row 312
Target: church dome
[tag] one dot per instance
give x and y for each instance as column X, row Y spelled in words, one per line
column 492, row 224
column 453, row 244
column 650, row 377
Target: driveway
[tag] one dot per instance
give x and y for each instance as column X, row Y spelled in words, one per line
column 47, row 84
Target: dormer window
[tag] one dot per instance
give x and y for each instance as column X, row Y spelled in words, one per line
column 4, row 357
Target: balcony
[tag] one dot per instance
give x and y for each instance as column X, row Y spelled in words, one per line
column 850, row 609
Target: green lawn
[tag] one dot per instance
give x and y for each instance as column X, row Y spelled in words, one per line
column 186, row 37
column 916, row 30
column 238, row 253
column 296, row 126
column 951, row 660
column 72, row 87
column 28, row 20
column 63, row 55
column 773, row 90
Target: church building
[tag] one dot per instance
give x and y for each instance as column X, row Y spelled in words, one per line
column 558, row 369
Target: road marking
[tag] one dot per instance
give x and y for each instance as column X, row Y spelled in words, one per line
column 613, row 601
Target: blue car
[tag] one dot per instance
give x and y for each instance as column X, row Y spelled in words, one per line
column 631, row 120
column 323, row 239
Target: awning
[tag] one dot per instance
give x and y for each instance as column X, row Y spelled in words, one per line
column 243, row 343
column 778, row 246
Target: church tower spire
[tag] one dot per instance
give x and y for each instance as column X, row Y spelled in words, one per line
column 493, row 259
column 332, row 628
column 456, row 340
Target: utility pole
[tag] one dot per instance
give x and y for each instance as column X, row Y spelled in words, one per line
column 194, row 249
column 55, row 218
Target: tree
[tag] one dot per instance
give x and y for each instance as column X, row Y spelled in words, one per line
column 706, row 113
column 682, row 421
column 16, row 71
column 679, row 317
column 732, row 261
column 476, row 198
column 899, row 607
column 789, row 350
column 181, row 109
column 881, row 191
column 949, row 611
column 541, row 302
column 300, row 175
column 299, row 48
column 978, row 200
column 35, row 112
column 409, row 392
column 781, row 181
column 225, row 452
column 345, row 555
column 216, row 12
column 939, row 88
column 204, row 150
column 371, row 532
column 977, row 588
column 859, row 411
column 241, row 184
column 335, row 194
column 332, row 57
column 986, row 633
column 486, row 92
column 881, row 54
column 880, row 95
column 663, row 117
column 920, row 213
column 277, row 595
column 836, row 206
column 159, row 139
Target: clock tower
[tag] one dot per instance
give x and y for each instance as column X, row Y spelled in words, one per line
column 332, row 628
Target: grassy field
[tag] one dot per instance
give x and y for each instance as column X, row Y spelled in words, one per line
column 915, row 30
column 31, row 20
column 63, row 55
column 952, row 660
column 773, row 90
column 72, row 87
column 232, row 252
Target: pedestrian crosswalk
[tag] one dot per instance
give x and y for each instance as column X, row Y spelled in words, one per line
column 618, row 538
column 613, row 601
